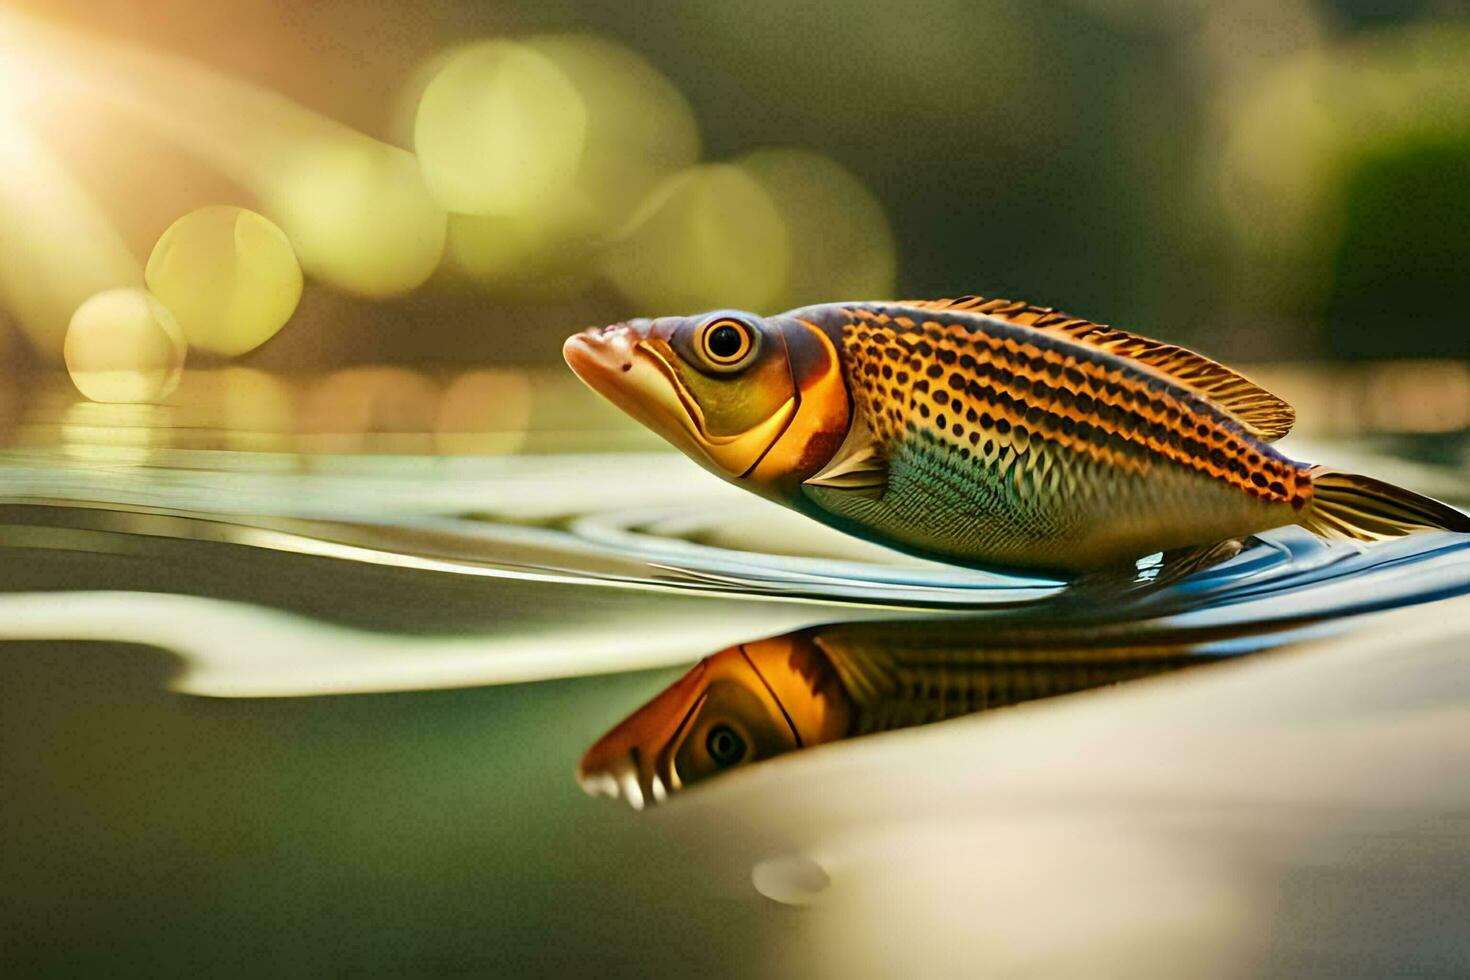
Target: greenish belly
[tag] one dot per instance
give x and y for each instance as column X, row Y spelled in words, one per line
column 1049, row 510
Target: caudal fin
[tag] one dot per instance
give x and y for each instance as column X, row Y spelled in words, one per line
column 1345, row 505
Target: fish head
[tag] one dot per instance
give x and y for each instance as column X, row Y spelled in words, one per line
column 744, row 704
column 756, row 400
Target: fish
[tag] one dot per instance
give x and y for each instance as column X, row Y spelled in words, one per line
column 758, row 700
column 984, row 432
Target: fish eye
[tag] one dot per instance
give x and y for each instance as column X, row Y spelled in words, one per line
column 726, row 343
column 725, row 746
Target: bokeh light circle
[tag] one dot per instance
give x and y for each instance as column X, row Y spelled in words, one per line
column 531, row 213
column 709, row 237
column 537, row 257
column 359, row 216
column 640, row 128
column 484, row 412
column 245, row 409
column 228, row 275
column 499, row 129
column 369, row 409
column 841, row 245
column 123, row 345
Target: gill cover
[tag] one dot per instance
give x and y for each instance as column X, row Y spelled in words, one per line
column 741, row 705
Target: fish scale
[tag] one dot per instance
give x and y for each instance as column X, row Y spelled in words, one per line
column 1074, row 399
column 1036, row 452
column 909, row 680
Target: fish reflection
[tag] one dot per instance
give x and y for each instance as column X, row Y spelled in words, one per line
column 762, row 699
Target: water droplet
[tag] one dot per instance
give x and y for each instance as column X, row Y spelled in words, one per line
column 791, row 879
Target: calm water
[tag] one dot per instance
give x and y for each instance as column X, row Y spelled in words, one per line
column 320, row 715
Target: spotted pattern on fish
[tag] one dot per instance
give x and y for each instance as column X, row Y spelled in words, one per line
column 907, row 683
column 1263, row 414
column 994, row 390
column 984, row 432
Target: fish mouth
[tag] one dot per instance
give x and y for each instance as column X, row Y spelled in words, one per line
column 635, row 760
column 620, row 364
column 623, row 778
column 637, row 373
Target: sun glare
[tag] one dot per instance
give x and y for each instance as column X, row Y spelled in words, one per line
column 58, row 248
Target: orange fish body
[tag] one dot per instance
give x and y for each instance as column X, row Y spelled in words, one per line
column 762, row 699
column 984, row 432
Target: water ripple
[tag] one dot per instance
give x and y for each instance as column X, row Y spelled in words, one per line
column 711, row 565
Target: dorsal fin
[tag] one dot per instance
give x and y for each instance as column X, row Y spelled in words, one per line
column 1261, row 413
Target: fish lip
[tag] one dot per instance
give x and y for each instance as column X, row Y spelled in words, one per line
column 662, row 365
column 600, row 356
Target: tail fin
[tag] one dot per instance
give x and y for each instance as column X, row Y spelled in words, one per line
column 1345, row 505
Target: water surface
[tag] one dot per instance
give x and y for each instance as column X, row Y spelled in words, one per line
column 307, row 714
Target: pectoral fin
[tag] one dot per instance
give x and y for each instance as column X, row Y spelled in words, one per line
column 858, row 466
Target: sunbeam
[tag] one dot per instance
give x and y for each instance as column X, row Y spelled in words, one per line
column 355, row 208
column 56, row 247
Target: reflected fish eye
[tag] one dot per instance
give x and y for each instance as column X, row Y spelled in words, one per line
column 725, row 746
column 726, row 343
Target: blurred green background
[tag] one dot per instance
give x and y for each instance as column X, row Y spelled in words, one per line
column 1284, row 184
column 1265, row 178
